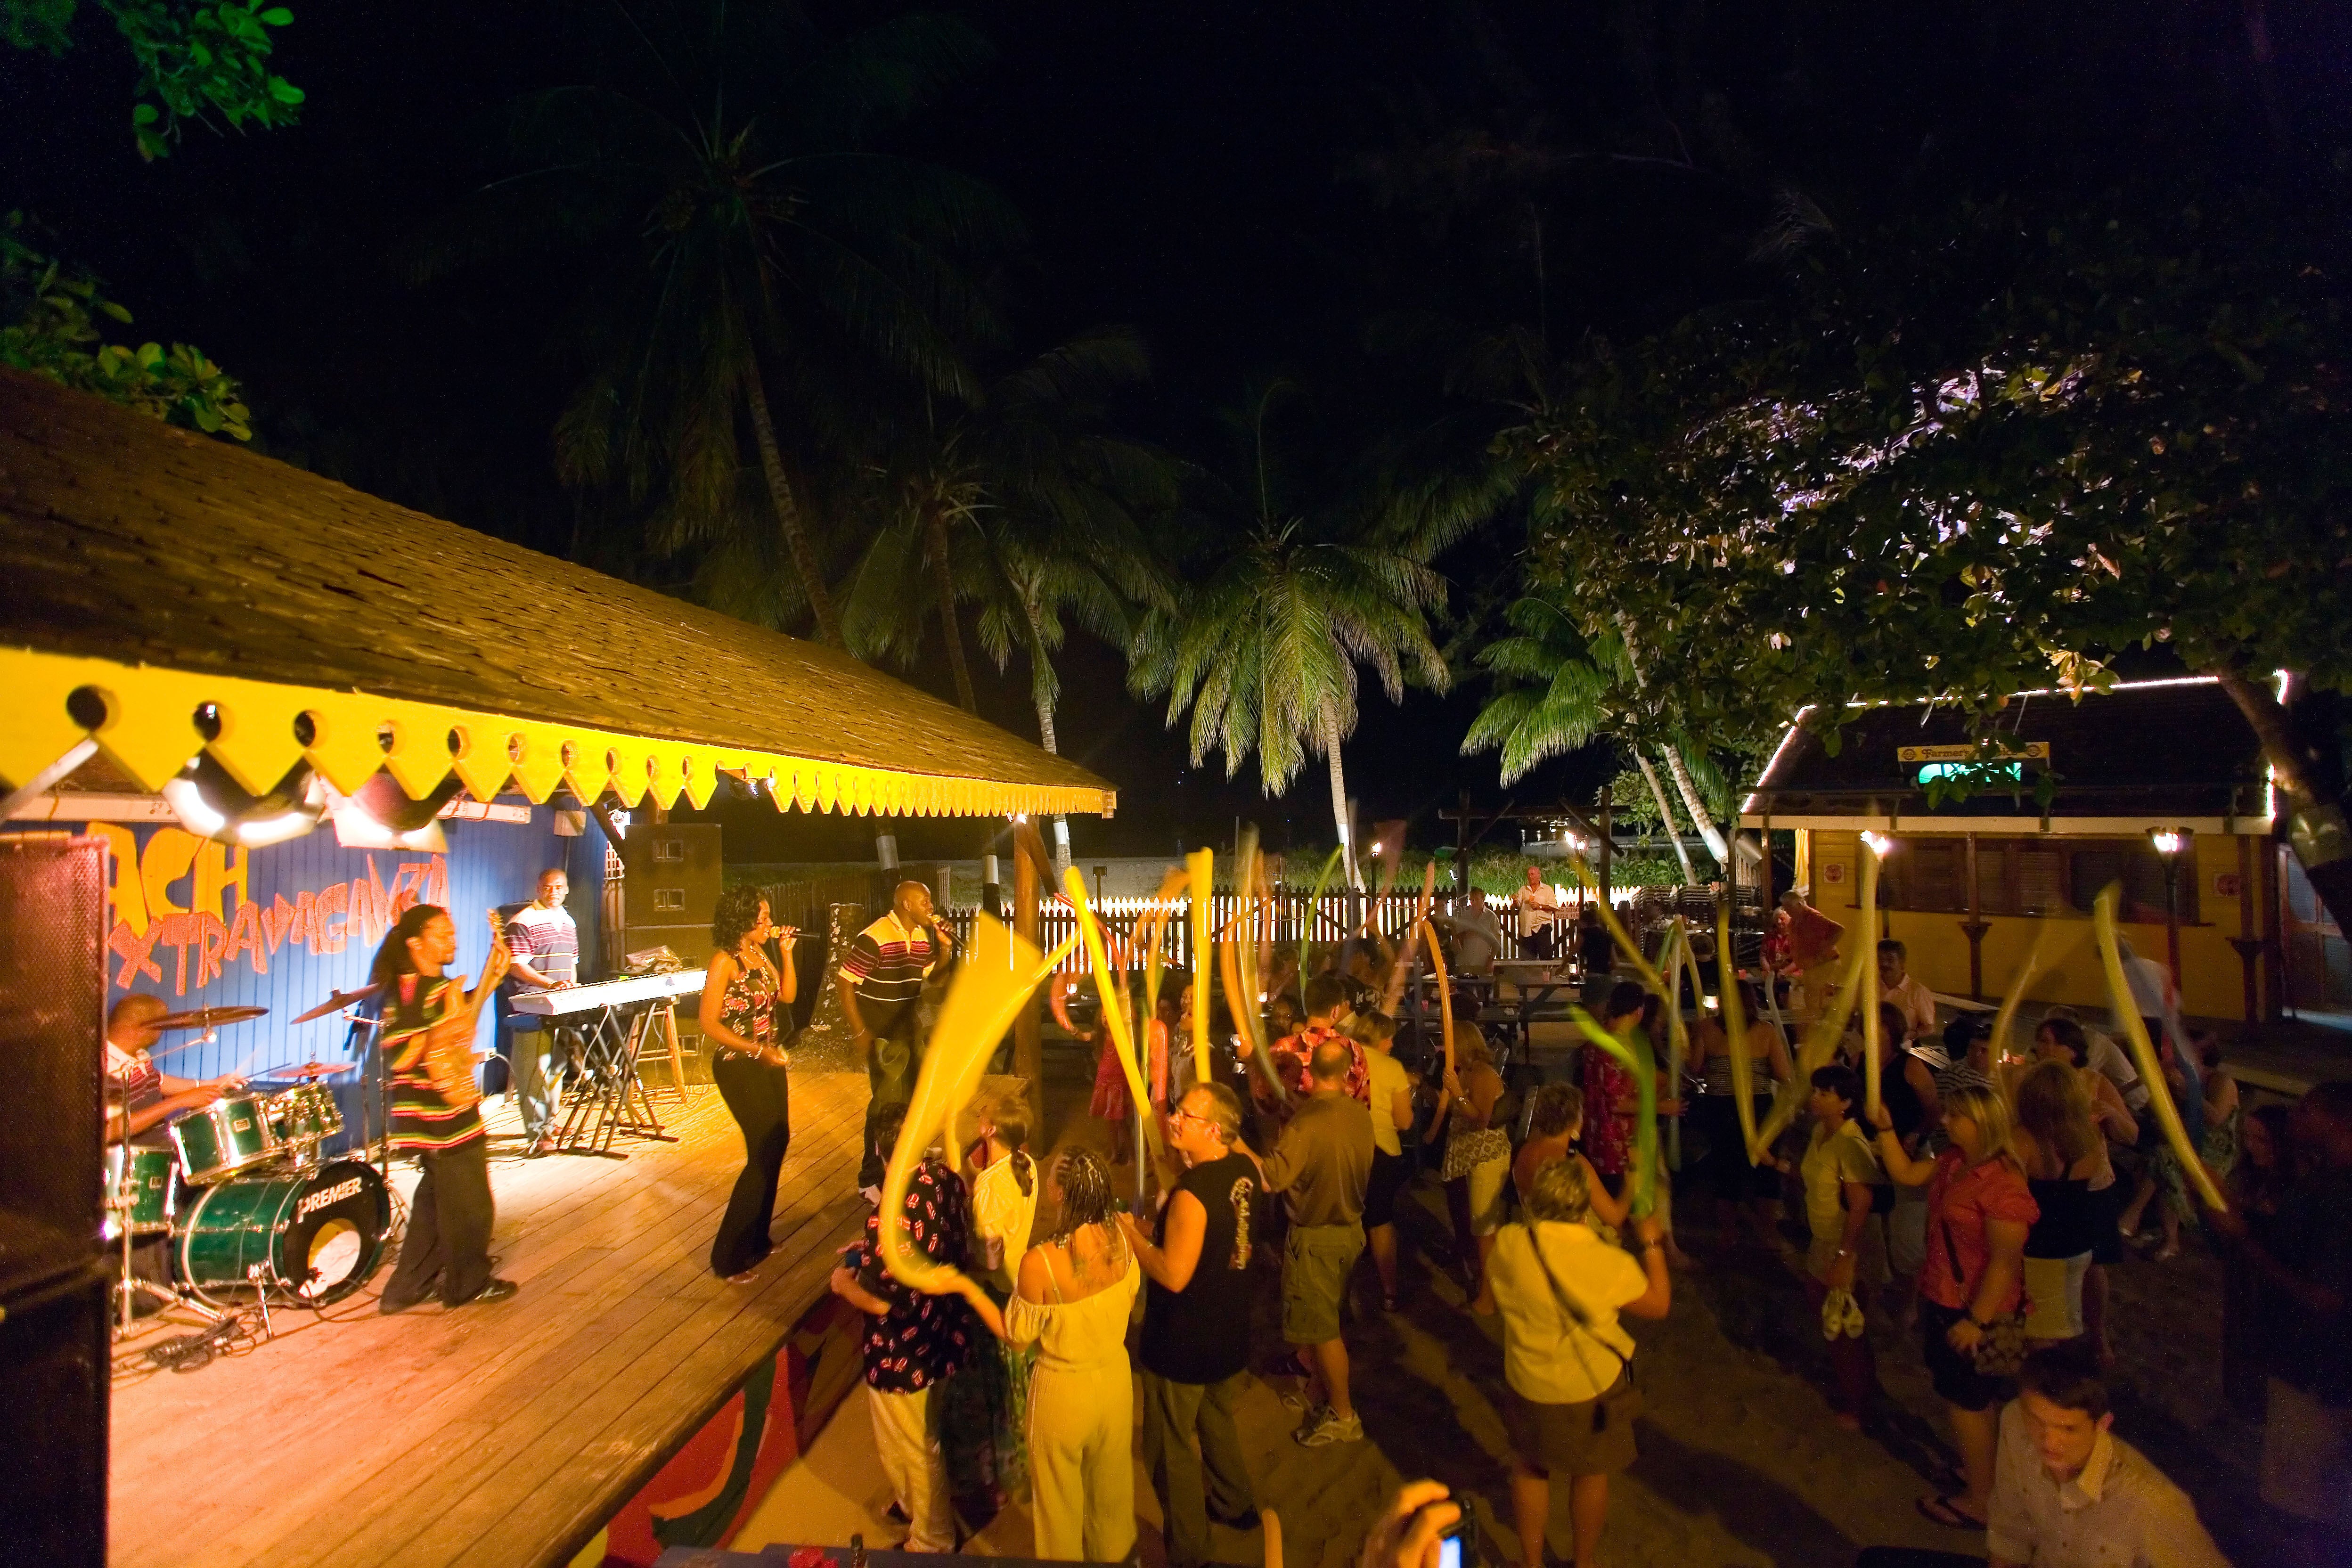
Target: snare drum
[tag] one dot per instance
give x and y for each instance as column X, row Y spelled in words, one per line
column 139, row 1183
column 231, row 1134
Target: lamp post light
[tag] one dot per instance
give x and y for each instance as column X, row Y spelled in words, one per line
column 2169, row 842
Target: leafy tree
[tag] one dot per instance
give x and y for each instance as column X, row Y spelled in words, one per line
column 1265, row 651
column 1021, row 499
column 1961, row 457
column 198, row 60
column 756, row 257
column 49, row 315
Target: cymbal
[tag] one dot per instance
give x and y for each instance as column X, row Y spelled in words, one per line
column 337, row 1003
column 205, row 1017
column 310, row 1071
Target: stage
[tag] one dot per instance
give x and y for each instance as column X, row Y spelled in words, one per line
column 509, row 1434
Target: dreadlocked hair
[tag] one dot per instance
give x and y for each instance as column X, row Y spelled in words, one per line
column 1086, row 1192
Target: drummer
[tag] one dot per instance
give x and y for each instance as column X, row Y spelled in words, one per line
column 141, row 1100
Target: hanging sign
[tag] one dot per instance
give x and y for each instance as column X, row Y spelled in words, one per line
column 2002, row 750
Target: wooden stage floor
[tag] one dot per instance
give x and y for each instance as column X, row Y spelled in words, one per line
column 503, row 1434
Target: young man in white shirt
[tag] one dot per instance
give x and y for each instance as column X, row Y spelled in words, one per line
column 2067, row 1492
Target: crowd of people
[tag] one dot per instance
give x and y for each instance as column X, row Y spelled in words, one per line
column 1978, row 1203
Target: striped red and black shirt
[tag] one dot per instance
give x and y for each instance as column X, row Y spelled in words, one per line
column 888, row 963
column 422, row 1120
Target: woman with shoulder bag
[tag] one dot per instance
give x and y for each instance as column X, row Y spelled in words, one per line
column 1477, row 1158
column 1972, row 1325
column 740, row 992
column 1565, row 1356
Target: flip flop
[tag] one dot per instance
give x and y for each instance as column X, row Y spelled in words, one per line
column 1940, row 1511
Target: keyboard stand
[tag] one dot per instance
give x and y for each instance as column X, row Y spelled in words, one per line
column 614, row 1098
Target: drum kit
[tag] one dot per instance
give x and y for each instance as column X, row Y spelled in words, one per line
column 253, row 1210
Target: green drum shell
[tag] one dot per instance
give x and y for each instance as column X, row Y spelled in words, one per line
column 231, row 1134
column 306, row 1113
column 258, row 1220
column 144, row 1174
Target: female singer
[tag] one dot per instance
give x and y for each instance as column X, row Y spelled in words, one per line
column 739, row 994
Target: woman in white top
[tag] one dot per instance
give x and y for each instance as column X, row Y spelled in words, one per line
column 1566, row 1357
column 1076, row 1292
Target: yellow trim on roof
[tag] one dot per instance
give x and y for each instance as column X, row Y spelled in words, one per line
column 150, row 730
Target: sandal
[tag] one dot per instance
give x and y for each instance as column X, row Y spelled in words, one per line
column 1940, row 1511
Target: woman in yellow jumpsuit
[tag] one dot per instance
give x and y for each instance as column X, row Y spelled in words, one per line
column 1076, row 1292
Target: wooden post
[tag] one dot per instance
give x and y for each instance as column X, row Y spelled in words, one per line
column 1028, row 1051
column 2248, row 943
column 1608, row 845
column 1975, row 927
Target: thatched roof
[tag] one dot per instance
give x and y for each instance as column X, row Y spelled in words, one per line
column 127, row 541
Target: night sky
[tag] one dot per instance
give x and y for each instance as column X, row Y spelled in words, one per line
column 1212, row 174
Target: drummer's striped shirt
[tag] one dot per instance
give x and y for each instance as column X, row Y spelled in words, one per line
column 422, row 1120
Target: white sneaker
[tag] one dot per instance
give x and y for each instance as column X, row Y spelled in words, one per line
column 1330, row 1429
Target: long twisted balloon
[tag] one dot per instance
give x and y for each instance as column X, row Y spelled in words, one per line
column 988, row 988
column 2151, row 1071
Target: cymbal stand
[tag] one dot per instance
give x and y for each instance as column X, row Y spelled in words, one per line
column 129, row 1287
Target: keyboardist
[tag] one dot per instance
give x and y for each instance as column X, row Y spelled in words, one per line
column 546, row 946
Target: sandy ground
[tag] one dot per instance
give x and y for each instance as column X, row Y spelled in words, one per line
column 1741, row 1462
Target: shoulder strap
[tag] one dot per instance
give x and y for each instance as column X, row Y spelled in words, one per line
column 1576, row 1314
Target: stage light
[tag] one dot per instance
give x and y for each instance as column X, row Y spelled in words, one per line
column 210, row 804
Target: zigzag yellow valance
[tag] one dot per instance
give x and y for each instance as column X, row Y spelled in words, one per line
column 151, row 730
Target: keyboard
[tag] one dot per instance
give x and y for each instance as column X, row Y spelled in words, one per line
column 607, row 994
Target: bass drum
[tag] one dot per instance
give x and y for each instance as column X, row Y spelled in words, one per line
column 314, row 1236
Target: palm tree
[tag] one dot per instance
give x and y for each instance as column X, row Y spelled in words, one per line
column 1557, row 691
column 1024, row 500
column 1265, row 653
column 754, row 255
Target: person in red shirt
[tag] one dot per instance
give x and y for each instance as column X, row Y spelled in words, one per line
column 1326, row 1010
column 1978, row 1211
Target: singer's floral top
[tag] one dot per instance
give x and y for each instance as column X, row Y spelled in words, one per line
column 923, row 1339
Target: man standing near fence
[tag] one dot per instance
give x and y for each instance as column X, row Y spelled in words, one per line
column 881, row 984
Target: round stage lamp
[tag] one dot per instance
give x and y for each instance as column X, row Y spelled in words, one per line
column 210, row 804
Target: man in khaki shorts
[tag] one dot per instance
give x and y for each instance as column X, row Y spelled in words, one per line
column 1323, row 1163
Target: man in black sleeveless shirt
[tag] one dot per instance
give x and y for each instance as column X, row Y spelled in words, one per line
column 1195, row 1341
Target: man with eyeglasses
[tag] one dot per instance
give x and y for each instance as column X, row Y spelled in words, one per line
column 1195, row 1342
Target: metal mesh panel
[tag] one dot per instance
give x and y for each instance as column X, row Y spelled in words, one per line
column 52, row 1024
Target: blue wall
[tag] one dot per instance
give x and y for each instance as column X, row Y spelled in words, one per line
column 200, row 921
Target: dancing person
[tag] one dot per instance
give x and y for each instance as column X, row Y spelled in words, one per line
column 1539, row 909
column 1076, row 1289
column 1841, row 1176
column 1900, row 989
column 1907, row 1086
column 1979, row 1211
column 1555, row 1128
column 2217, row 1149
column 2064, row 1156
column 2068, row 1493
column 1477, row 1158
column 913, row 1340
column 993, row 1395
column 2256, row 1188
column 2060, row 1037
column 1325, row 1020
column 1194, row 1346
column 1967, row 1056
column 1393, row 1115
column 427, row 1039
column 2110, row 1060
column 1567, row 1358
column 1112, row 1101
column 881, row 986
column 740, row 991
column 1324, row 1164
column 140, row 1099
column 1478, row 935
column 1743, row 1191
column 1613, row 1100
column 545, row 943
column 1813, row 935
column 1596, row 950
column 2305, row 1262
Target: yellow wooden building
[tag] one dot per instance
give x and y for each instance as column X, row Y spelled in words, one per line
column 2159, row 786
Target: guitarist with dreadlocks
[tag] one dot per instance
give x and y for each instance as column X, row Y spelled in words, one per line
column 429, row 1021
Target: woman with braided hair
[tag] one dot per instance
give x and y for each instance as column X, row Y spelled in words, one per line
column 1076, row 1289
